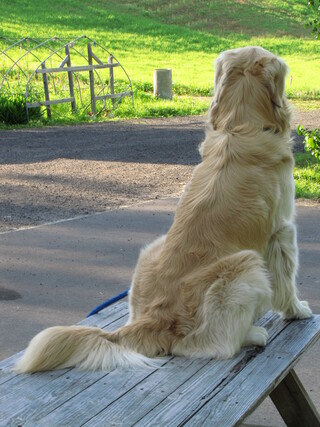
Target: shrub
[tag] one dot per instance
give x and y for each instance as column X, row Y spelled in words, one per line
column 314, row 22
column 311, row 140
column 13, row 109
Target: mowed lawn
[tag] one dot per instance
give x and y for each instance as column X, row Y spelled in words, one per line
column 183, row 35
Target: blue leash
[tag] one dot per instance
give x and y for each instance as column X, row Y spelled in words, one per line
column 108, row 302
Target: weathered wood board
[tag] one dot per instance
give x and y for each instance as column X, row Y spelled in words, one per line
column 195, row 392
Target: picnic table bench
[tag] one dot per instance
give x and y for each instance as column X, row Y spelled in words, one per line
column 190, row 392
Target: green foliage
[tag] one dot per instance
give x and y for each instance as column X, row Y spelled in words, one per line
column 307, row 176
column 146, row 105
column 314, row 22
column 13, row 109
column 305, row 105
column 311, row 140
column 183, row 35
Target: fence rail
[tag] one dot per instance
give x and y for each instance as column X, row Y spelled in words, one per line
column 78, row 68
column 47, row 103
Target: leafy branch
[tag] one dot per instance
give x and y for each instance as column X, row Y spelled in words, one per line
column 311, row 140
column 314, row 23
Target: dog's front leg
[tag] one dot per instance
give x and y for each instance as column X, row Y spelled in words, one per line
column 282, row 261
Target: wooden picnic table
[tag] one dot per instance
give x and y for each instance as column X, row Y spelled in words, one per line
column 190, row 392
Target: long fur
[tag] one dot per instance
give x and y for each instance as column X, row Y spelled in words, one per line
column 231, row 252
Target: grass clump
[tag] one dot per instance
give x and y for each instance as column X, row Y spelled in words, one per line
column 13, row 110
column 307, row 176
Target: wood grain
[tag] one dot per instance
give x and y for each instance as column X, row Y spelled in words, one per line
column 195, row 392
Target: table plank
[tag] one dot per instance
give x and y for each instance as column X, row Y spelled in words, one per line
column 191, row 391
column 111, row 400
column 187, row 399
column 241, row 396
column 32, row 396
column 138, row 401
column 104, row 319
column 90, row 401
column 20, row 395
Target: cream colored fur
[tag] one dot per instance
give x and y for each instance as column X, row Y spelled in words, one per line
column 231, row 252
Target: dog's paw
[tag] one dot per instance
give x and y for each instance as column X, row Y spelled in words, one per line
column 256, row 336
column 299, row 310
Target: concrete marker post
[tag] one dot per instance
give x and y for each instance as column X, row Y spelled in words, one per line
column 162, row 83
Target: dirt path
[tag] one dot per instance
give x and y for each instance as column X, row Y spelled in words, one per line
column 55, row 173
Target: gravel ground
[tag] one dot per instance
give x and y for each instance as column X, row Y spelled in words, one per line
column 53, row 173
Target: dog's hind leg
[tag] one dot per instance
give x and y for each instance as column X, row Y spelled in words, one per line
column 239, row 293
column 282, row 262
column 143, row 280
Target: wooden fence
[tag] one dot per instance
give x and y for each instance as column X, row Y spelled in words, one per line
column 66, row 66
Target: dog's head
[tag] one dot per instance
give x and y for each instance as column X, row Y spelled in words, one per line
column 249, row 91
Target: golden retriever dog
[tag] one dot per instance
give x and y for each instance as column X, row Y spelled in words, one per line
column 231, row 252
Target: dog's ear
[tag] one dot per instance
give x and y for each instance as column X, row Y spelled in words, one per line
column 214, row 107
column 213, row 110
column 272, row 73
column 218, row 70
column 221, row 80
column 277, row 70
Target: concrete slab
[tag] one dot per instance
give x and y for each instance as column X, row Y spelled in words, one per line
column 57, row 273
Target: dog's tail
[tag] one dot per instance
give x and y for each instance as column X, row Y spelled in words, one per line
column 82, row 347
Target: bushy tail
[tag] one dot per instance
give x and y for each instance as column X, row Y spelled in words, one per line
column 77, row 346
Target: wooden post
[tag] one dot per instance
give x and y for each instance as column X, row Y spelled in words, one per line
column 70, row 78
column 294, row 404
column 110, row 61
column 46, row 89
column 91, row 77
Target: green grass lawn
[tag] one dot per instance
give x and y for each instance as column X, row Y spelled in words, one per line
column 183, row 35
